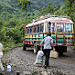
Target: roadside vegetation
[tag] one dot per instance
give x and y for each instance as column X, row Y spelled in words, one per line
column 11, row 25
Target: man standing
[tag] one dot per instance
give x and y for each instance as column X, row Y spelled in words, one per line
column 48, row 45
column 1, row 54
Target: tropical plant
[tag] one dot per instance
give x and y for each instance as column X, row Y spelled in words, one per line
column 24, row 3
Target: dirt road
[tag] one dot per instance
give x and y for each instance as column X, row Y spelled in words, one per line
column 24, row 61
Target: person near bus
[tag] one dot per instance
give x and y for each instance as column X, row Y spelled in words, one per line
column 1, row 55
column 48, row 45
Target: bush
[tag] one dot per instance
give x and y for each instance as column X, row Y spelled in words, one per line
column 6, row 50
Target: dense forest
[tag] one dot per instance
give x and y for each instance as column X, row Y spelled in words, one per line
column 14, row 15
column 10, row 8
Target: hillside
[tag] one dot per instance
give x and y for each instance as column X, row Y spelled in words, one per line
column 13, row 19
column 38, row 4
column 11, row 7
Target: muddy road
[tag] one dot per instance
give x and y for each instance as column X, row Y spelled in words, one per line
column 24, row 61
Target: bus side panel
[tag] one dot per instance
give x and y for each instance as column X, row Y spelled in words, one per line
column 28, row 39
column 69, row 39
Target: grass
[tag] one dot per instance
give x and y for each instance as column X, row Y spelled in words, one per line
column 6, row 50
column 10, row 46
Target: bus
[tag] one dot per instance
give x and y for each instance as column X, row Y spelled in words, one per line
column 61, row 28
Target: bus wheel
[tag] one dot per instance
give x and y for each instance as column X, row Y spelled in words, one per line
column 24, row 47
column 35, row 48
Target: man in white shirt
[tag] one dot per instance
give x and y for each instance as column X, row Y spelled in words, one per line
column 48, row 45
column 1, row 54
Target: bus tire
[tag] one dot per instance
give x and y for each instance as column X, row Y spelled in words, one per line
column 35, row 48
column 24, row 47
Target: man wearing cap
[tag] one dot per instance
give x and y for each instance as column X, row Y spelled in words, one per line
column 1, row 54
column 48, row 45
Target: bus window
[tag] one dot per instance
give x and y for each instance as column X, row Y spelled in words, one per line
column 49, row 26
column 53, row 27
column 30, row 30
column 42, row 26
column 27, row 30
column 59, row 27
column 34, row 29
column 68, row 27
column 37, row 28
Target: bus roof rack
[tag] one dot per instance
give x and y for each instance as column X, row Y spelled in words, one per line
column 49, row 16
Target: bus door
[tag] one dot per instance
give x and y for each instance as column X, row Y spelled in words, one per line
column 60, row 39
column 53, row 33
column 51, row 28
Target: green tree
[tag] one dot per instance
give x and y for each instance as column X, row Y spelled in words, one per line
column 70, row 5
column 56, row 7
column 11, row 23
column 49, row 8
column 24, row 3
column 1, row 24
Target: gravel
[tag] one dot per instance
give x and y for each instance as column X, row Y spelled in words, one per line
column 23, row 61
